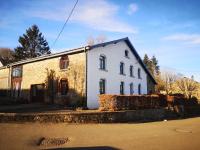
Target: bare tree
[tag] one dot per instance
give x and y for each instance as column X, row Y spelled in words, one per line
column 6, row 55
column 90, row 40
column 99, row 39
column 187, row 86
column 168, row 79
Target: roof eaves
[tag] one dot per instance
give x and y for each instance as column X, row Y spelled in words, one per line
column 71, row 51
column 107, row 43
column 139, row 59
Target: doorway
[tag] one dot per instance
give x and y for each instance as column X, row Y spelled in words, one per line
column 37, row 93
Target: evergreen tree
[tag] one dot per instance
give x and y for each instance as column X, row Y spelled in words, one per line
column 32, row 44
column 156, row 66
column 152, row 65
column 146, row 59
column 148, row 64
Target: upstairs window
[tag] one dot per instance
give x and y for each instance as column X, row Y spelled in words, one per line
column 17, row 71
column 102, row 62
column 131, row 71
column 102, row 86
column 139, row 73
column 121, row 68
column 126, row 52
column 122, row 88
column 64, row 62
column 131, row 89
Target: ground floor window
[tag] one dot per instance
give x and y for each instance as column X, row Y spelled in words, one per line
column 122, row 88
column 131, row 89
column 102, row 86
column 139, row 88
column 64, row 86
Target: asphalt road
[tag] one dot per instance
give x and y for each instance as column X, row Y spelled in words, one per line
column 165, row 135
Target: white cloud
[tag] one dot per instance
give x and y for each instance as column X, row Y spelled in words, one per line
column 188, row 38
column 99, row 15
column 132, row 8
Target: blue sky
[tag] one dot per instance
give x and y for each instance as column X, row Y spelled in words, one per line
column 167, row 29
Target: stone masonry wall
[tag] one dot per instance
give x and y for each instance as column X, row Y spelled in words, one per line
column 36, row 73
column 4, row 73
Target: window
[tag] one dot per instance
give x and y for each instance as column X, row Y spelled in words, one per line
column 64, row 86
column 131, row 89
column 102, row 86
column 139, row 88
column 122, row 88
column 102, row 62
column 121, row 68
column 139, row 73
column 131, row 71
column 64, row 62
column 126, row 53
column 17, row 72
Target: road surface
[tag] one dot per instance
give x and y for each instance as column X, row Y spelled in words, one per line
column 165, row 135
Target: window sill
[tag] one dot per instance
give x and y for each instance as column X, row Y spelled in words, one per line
column 127, row 57
column 65, row 69
column 103, row 70
column 132, row 76
column 122, row 74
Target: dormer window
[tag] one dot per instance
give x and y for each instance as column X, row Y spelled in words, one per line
column 126, row 53
column 64, row 62
column 102, row 62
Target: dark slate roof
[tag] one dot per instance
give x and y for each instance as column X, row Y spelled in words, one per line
column 126, row 39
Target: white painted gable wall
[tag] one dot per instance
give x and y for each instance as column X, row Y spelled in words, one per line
column 114, row 55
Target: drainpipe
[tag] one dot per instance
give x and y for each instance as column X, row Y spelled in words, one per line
column 86, row 71
column 9, row 80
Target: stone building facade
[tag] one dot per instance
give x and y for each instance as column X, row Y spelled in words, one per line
column 51, row 79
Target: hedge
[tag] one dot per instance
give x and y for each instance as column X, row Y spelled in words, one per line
column 132, row 102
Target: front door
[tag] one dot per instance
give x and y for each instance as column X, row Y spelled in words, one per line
column 37, row 93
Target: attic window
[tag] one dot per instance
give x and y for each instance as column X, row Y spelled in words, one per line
column 64, row 62
column 126, row 53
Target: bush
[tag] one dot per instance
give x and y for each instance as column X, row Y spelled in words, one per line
column 123, row 102
column 132, row 102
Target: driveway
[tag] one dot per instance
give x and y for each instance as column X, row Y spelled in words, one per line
column 165, row 135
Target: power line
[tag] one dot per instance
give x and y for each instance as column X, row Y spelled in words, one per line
column 65, row 24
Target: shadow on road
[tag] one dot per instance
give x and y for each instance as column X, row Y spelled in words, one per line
column 87, row 148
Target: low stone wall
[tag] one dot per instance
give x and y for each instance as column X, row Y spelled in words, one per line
column 89, row 117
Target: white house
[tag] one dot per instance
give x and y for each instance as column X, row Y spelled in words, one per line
column 115, row 68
